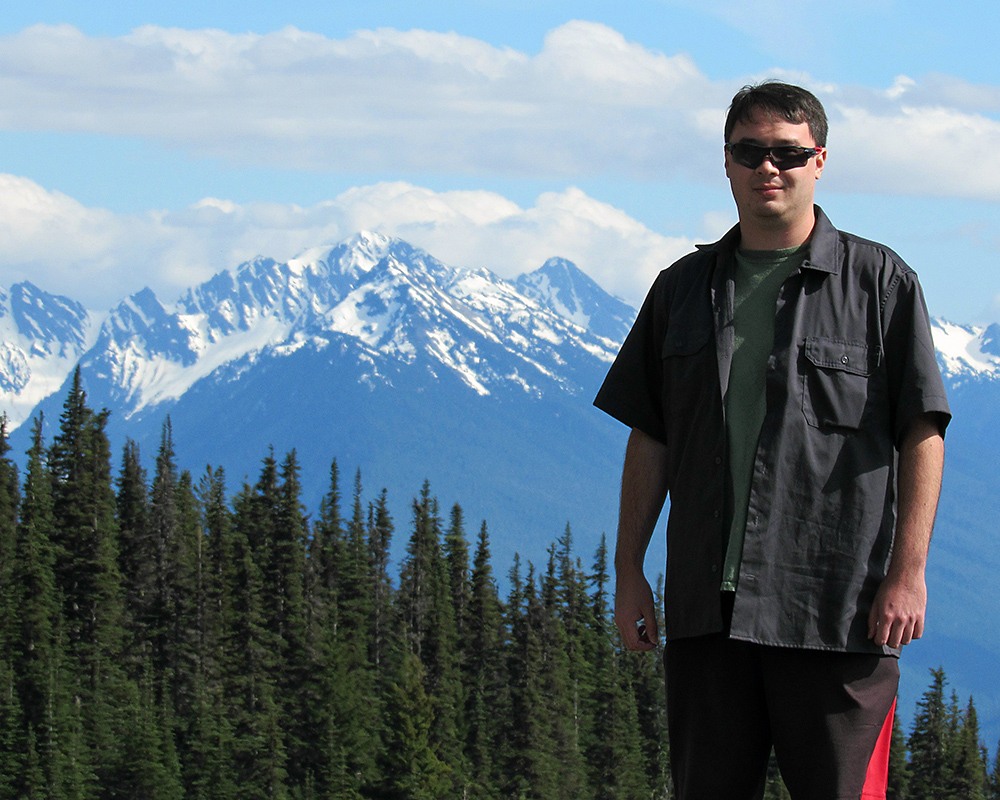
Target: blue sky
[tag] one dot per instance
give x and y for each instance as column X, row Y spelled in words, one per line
column 157, row 144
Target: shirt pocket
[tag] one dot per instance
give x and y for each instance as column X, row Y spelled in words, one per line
column 689, row 369
column 835, row 381
column 685, row 339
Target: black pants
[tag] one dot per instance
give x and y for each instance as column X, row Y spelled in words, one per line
column 729, row 701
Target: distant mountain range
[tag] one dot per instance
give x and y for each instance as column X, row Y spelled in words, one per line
column 375, row 353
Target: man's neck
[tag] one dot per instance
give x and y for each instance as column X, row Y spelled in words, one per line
column 756, row 234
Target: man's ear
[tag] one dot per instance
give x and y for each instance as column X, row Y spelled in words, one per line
column 820, row 161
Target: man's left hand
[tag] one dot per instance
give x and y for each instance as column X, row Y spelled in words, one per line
column 897, row 617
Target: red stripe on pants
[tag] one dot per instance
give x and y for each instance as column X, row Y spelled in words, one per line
column 877, row 778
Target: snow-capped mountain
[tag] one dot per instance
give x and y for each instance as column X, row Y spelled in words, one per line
column 560, row 286
column 386, row 300
column 967, row 352
column 42, row 337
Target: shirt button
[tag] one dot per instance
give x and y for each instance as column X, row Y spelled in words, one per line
column 844, row 360
column 718, row 459
column 715, row 567
column 716, row 513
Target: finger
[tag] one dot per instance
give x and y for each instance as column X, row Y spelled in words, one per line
column 652, row 632
column 627, row 633
column 629, row 630
column 883, row 632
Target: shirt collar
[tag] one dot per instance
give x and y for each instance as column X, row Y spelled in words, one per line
column 822, row 252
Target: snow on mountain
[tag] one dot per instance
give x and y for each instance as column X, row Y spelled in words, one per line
column 563, row 288
column 392, row 300
column 966, row 351
column 42, row 337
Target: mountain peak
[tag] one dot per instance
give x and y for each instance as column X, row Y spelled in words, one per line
column 966, row 351
column 562, row 287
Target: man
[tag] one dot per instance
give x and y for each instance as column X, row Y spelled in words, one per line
column 781, row 387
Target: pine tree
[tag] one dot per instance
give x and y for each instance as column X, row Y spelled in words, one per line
column 89, row 581
column 325, row 558
column 137, row 552
column 967, row 776
column 256, row 743
column 531, row 771
column 993, row 784
column 13, row 745
column 927, row 742
column 614, row 750
column 412, row 768
column 379, row 540
column 429, row 629
column 899, row 771
column 286, row 592
column 456, row 553
column 191, row 693
column 209, row 768
column 485, row 675
column 40, row 684
column 565, row 715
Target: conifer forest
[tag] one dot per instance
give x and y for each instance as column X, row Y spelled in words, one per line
column 166, row 636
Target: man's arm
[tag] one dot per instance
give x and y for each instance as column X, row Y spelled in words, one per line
column 897, row 616
column 644, row 488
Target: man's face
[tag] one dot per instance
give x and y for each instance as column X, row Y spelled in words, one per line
column 766, row 196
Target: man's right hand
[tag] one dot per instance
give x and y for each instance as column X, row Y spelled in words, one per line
column 644, row 488
column 635, row 614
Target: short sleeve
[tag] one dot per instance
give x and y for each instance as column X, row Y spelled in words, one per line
column 632, row 389
column 915, row 383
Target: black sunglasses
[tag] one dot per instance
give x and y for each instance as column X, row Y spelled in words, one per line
column 789, row 156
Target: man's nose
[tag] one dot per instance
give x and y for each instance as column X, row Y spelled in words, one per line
column 767, row 165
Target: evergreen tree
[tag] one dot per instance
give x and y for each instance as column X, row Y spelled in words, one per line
column 209, row 772
column 284, row 588
column 13, row 746
column 524, row 729
column 565, row 716
column 538, row 736
column 38, row 639
column 614, row 749
column 255, row 742
column 191, row 692
column 428, row 620
column 927, row 743
column 379, row 540
column 89, row 581
column 967, row 777
column 899, row 771
column 412, row 768
column 993, row 784
column 137, row 552
column 485, row 675
column 354, row 707
column 456, row 553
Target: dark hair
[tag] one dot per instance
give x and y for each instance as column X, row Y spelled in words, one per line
column 792, row 103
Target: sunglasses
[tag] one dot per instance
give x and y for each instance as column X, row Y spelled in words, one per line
column 789, row 156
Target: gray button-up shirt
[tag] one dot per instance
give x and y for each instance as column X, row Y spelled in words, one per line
column 852, row 365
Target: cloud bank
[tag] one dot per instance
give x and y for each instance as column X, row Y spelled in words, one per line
column 98, row 257
column 589, row 103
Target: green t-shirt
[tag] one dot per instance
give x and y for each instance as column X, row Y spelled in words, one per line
column 759, row 275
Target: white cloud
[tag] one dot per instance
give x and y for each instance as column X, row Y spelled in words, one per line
column 589, row 103
column 915, row 150
column 98, row 257
column 385, row 100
